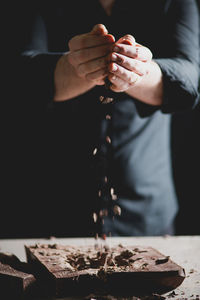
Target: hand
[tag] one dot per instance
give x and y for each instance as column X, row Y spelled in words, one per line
column 88, row 54
column 130, row 62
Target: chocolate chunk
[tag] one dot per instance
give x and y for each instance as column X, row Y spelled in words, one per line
column 15, row 283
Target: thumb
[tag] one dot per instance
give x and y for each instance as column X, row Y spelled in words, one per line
column 127, row 39
column 99, row 29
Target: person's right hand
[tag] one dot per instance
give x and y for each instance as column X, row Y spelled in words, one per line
column 88, row 54
column 85, row 65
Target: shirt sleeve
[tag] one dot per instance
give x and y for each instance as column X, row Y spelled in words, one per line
column 34, row 62
column 180, row 68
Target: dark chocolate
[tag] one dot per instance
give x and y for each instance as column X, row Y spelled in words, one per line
column 15, row 283
column 73, row 270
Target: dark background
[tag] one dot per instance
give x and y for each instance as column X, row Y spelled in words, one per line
column 16, row 194
column 186, row 169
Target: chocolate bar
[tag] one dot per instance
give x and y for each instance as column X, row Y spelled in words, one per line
column 120, row 270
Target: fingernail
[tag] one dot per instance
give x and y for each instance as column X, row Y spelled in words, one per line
column 114, row 57
column 116, row 49
column 114, row 67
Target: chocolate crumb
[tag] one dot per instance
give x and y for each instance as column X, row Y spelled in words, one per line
column 117, row 210
column 95, row 151
column 106, row 100
column 103, row 236
column 94, row 217
column 162, row 260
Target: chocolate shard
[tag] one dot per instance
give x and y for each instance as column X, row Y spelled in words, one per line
column 117, row 271
column 15, row 283
column 9, row 259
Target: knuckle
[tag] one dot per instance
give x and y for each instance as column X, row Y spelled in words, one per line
column 130, row 80
column 89, row 76
column 120, row 59
column 130, row 37
column 72, row 42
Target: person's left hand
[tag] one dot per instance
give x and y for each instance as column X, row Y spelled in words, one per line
column 129, row 62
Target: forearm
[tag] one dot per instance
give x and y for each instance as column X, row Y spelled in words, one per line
column 150, row 88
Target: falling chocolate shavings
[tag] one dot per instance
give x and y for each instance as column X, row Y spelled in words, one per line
column 103, row 236
column 95, row 217
column 105, row 100
column 103, row 213
column 117, row 210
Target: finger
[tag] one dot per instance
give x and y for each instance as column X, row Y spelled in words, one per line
column 87, row 41
column 117, row 84
column 131, row 64
column 124, row 74
column 143, row 53
column 88, row 54
column 120, row 85
column 98, row 75
column 92, row 66
column 137, row 52
column 99, row 29
column 127, row 39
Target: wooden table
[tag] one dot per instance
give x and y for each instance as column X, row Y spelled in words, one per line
column 184, row 250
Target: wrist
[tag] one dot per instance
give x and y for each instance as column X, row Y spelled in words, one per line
column 67, row 83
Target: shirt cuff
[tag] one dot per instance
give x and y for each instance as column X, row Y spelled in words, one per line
column 180, row 85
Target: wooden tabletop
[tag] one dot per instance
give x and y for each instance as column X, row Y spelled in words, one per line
column 183, row 250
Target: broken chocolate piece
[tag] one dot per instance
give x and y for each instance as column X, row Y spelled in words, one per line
column 15, row 283
column 119, row 270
